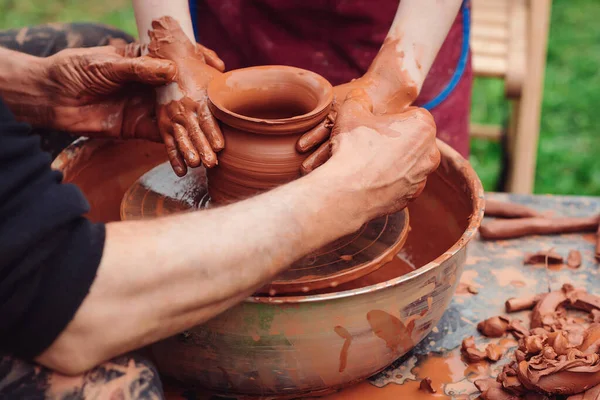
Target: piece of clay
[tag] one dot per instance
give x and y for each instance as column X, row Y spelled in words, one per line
column 501, row 209
column 515, row 228
column 493, row 352
column 515, row 304
column 493, row 327
column 543, row 257
column 473, row 355
column 468, row 343
column 517, row 329
column 470, row 351
column 545, row 311
column 465, row 288
column 574, row 259
column 590, row 394
column 425, row 385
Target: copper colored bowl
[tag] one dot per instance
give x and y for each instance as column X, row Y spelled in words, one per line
column 295, row 345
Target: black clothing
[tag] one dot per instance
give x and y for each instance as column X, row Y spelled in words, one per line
column 49, row 252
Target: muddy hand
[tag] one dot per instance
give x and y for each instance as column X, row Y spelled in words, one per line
column 385, row 159
column 135, row 49
column 389, row 87
column 190, row 132
column 93, row 91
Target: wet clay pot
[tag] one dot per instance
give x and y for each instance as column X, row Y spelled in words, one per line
column 263, row 111
column 291, row 346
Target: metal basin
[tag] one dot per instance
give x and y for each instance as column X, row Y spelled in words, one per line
column 296, row 345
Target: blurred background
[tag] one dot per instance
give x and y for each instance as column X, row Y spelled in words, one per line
column 569, row 147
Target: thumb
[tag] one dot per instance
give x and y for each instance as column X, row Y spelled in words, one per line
column 146, row 70
column 356, row 107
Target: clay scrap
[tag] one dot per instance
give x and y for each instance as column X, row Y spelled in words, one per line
column 557, row 356
column 543, row 257
column 515, row 228
column 425, row 385
column 574, row 259
column 502, row 209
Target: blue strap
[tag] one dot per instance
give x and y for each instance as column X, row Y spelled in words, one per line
column 194, row 15
column 462, row 61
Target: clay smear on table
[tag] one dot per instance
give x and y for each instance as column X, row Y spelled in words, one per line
column 559, row 355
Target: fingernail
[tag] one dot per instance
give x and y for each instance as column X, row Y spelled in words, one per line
column 179, row 171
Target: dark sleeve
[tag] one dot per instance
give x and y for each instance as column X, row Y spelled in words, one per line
column 49, row 253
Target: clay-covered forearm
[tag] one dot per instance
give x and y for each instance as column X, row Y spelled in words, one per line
column 147, row 11
column 417, row 33
column 160, row 277
column 20, row 77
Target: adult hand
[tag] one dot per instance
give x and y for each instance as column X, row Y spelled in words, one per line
column 388, row 85
column 384, row 160
column 95, row 92
column 188, row 128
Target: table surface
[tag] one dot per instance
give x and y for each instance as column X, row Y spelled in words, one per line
column 496, row 269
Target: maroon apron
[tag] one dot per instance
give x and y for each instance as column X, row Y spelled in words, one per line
column 335, row 38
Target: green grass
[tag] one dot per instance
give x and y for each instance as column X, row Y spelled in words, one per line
column 569, row 149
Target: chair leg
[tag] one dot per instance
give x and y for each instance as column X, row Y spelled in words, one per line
column 527, row 110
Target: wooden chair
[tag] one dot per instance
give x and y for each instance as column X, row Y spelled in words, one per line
column 508, row 41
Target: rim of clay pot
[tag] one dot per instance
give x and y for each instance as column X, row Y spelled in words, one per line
column 451, row 157
column 238, row 79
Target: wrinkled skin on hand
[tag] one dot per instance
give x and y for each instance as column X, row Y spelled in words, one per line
column 387, row 84
column 189, row 130
column 97, row 92
column 385, row 159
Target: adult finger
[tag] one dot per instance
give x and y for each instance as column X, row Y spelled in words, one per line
column 175, row 158
column 197, row 137
column 352, row 112
column 185, row 145
column 147, row 70
column 211, row 57
column 210, row 127
column 314, row 137
column 316, row 159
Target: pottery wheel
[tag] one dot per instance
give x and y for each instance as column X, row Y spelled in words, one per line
column 160, row 192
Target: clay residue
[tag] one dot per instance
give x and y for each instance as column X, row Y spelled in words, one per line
column 557, row 356
column 425, row 385
column 574, row 259
column 512, row 276
column 344, row 334
column 467, row 284
column 389, row 328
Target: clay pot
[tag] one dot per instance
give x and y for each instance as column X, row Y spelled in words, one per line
column 263, row 111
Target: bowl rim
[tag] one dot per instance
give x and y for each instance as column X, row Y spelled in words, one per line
column 450, row 156
column 323, row 105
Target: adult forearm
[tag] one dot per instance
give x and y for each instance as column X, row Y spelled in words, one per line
column 148, row 10
column 20, row 74
column 160, row 277
column 419, row 30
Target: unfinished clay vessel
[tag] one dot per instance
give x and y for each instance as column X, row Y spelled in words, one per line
column 263, row 111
